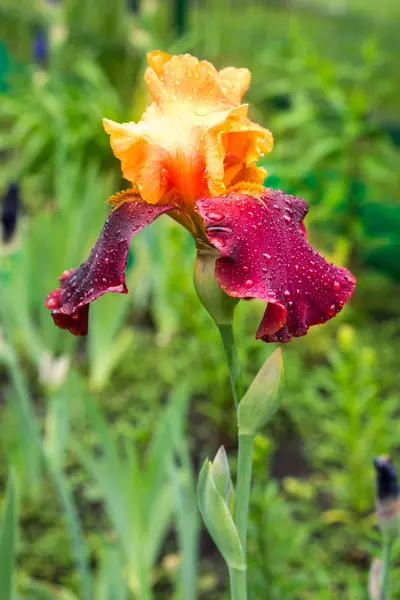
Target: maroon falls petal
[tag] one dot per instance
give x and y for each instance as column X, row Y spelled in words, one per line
column 265, row 254
column 104, row 270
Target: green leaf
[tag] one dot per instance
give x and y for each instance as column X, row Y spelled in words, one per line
column 218, row 520
column 8, row 541
column 263, row 396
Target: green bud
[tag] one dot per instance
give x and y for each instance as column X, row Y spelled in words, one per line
column 214, row 492
column 218, row 304
column 263, row 396
column 222, row 478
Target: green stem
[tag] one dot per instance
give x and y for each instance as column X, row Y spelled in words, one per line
column 232, row 359
column 243, row 486
column 386, row 559
column 238, row 584
column 238, row 579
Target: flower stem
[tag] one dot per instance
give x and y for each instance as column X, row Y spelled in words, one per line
column 386, row 560
column 238, row 579
column 232, row 359
column 243, row 486
column 238, row 584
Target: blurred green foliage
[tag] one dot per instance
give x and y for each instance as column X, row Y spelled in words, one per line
column 102, row 439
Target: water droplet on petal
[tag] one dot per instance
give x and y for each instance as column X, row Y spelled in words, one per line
column 246, row 269
column 350, row 279
column 332, row 310
column 267, row 257
column 248, row 283
column 336, row 285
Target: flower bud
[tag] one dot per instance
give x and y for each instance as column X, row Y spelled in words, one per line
column 10, row 210
column 263, row 396
column 218, row 304
column 215, row 494
column 222, row 478
column 388, row 498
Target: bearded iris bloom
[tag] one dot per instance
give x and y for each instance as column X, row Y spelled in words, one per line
column 193, row 157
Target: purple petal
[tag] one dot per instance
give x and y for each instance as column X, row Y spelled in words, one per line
column 265, row 254
column 104, row 270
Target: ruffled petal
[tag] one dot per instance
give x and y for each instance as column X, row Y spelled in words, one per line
column 173, row 79
column 264, row 254
column 103, row 271
column 195, row 139
column 232, row 147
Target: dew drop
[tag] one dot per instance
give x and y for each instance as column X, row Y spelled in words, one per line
column 287, row 293
column 246, row 269
column 350, row 279
column 215, row 216
column 287, row 218
column 248, row 283
column 336, row 285
column 332, row 310
column 267, row 257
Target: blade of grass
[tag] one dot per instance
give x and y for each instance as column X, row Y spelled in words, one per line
column 8, row 540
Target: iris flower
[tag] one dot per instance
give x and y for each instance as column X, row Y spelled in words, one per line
column 193, row 156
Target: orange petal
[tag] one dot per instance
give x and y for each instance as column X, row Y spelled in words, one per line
column 236, row 82
column 142, row 162
column 232, row 147
column 173, row 79
column 195, row 138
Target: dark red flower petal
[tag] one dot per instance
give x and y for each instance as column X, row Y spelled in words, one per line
column 103, row 271
column 265, row 254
